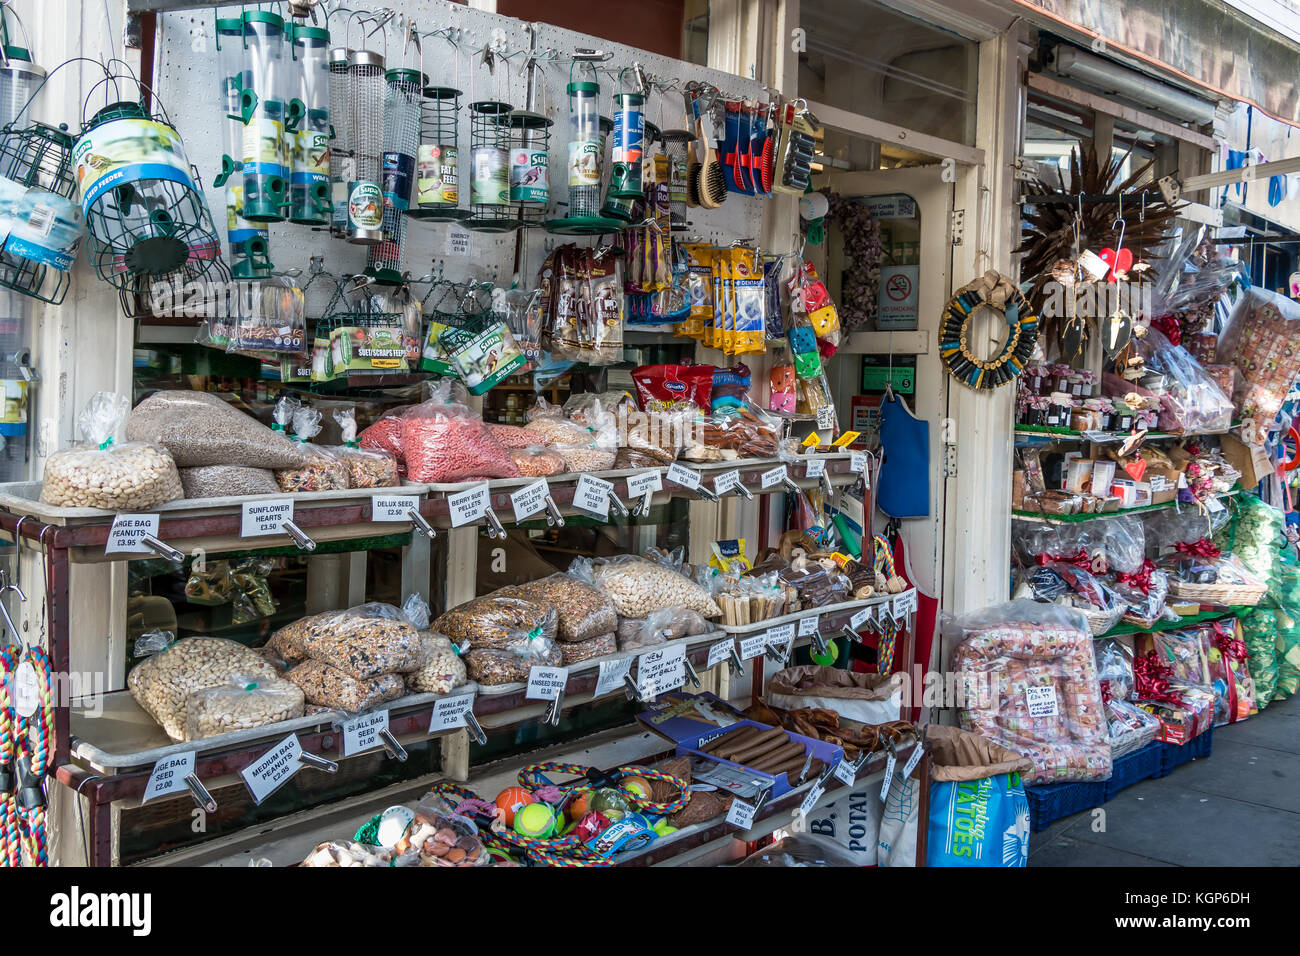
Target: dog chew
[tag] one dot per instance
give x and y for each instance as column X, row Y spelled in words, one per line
column 755, row 747
column 794, row 766
column 779, row 757
column 734, row 738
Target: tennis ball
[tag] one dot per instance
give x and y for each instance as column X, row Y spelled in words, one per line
column 511, row 799
column 639, row 786
column 535, row 820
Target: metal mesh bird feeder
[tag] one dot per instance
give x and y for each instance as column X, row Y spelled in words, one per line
column 39, row 218
column 489, row 142
column 437, row 185
column 342, row 157
column 530, row 161
column 401, row 142
column 365, row 195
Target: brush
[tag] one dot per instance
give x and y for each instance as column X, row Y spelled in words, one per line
column 712, row 180
column 692, row 159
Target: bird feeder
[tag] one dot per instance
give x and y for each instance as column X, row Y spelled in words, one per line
column 264, row 109
column 587, row 135
column 401, row 142
column 342, row 158
column 628, row 147
column 309, row 145
column 41, row 221
column 530, row 159
column 365, row 194
column 489, row 148
column 249, row 248
column 20, row 78
column 437, row 186
column 676, row 143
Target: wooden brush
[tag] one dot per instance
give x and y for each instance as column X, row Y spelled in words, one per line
column 692, row 159
column 712, row 181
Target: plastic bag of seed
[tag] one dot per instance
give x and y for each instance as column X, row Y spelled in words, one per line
column 582, row 610
column 221, row 481
column 497, row 620
column 322, row 470
column 327, row 686
column 509, row 663
column 365, row 469
column 241, row 702
column 579, row 651
column 363, row 642
column 201, row 429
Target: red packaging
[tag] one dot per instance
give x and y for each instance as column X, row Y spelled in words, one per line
column 659, row 387
column 385, row 435
column 445, row 443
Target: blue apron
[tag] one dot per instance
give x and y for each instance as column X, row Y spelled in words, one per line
column 904, row 490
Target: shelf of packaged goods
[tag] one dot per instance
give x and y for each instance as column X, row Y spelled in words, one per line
column 838, row 469
column 1214, row 613
column 1072, row 519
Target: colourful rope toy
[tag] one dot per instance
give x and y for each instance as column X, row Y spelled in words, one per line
column 884, row 565
column 10, row 843
column 533, row 778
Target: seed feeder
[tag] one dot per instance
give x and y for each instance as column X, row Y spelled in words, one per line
column 626, row 171
column 489, row 142
column 249, row 247
column 587, row 133
column 530, row 158
column 401, row 142
column 437, row 187
column 141, row 198
column 342, row 156
column 39, row 218
column 676, row 143
column 20, row 78
column 264, row 108
column 309, row 144
column 365, row 195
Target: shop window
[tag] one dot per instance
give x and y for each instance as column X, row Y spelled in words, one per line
column 654, row 25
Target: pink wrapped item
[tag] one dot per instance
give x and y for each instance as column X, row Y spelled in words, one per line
column 446, row 443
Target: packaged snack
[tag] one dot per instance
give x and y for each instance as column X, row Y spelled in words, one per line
column 239, row 703
column 582, row 610
column 749, row 296
column 277, row 321
column 201, row 429
column 699, row 288
column 730, row 386
column 330, row 687
column 127, row 477
column 497, row 620
column 659, row 627
column 665, row 387
column 447, row 443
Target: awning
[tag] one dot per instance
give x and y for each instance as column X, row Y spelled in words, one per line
column 1204, row 42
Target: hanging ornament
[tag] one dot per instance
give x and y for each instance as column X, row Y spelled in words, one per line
column 995, row 291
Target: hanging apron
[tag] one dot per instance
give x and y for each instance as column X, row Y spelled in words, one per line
column 904, row 490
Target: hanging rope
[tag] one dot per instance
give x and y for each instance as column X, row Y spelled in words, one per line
column 10, row 847
column 33, row 760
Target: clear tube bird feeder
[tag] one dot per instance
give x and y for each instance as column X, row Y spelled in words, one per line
column 265, row 111
column 588, row 131
column 20, row 78
column 489, row 149
column 248, row 241
column 309, row 145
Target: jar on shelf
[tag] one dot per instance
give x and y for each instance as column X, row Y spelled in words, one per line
column 1104, row 411
column 1060, row 378
column 1088, row 379
column 1084, row 419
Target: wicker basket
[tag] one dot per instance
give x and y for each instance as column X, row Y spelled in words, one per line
column 1099, row 622
column 1239, row 595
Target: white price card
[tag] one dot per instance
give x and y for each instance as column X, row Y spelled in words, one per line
column 740, row 814
column 780, row 635
column 270, row 771
column 610, row 677
column 469, row 505
column 808, row 626
column 901, row 607
column 845, row 773
column 882, row 614
column 168, row 776
column 592, row 495
column 810, row 799
column 860, row 618
column 449, row 713
column 913, row 760
column 546, row 683
column 1041, row 701
column 459, row 242
column 825, row 416
column 647, row 481
column 127, row 534
column 530, row 499
column 393, row 507
column 264, row 517
column 816, row 468
column 773, row 476
column 751, row 647
column 890, row 762
column 681, row 475
column 361, row 733
column 858, row 462
column 660, row 671
column 719, row 652
column 725, row 482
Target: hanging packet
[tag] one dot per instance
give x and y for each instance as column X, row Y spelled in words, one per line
column 748, row 294
column 699, row 288
column 485, row 358
column 803, row 345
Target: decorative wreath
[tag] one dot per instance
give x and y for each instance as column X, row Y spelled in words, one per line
column 997, row 292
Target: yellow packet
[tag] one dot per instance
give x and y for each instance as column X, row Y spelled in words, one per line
column 728, row 341
column 748, row 301
column 713, row 330
column 848, row 438
column 812, row 441
column 699, row 281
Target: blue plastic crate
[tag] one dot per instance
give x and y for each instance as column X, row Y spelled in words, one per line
column 1051, row 802
column 1173, row 755
column 1138, row 765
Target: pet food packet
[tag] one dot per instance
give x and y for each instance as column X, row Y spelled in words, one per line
column 605, row 344
column 699, row 287
column 748, row 294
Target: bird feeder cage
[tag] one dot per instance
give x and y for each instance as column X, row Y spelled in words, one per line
column 437, row 195
column 588, row 131
column 365, row 194
column 20, row 78
column 530, row 159
column 249, row 246
column 676, row 143
column 309, row 144
column 39, row 218
column 342, row 155
column 401, row 143
column 489, row 142
column 142, row 201
column 264, row 108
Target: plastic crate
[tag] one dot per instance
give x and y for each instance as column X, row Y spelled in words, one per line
column 1052, row 801
column 1173, row 755
column 1138, row 765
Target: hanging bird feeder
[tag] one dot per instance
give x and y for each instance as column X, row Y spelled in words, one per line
column 365, row 194
column 249, row 241
column 39, row 217
column 489, row 147
column 586, row 152
column 20, row 78
column 437, row 189
column 309, row 144
column 401, row 142
column 264, row 108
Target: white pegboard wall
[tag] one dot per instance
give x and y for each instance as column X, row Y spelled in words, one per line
column 186, row 83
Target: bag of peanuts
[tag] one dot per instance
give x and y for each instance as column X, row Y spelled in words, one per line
column 365, row 469
column 510, row 662
column 582, row 611
column 201, row 429
column 638, row 587
column 441, row 671
column 497, row 620
column 448, row 443
column 100, row 474
column 240, row 703
column 162, row 684
column 538, row 461
column 363, row 642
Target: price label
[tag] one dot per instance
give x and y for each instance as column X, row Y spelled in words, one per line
column 727, row 481
column 859, row 619
column 913, row 760
column 458, row 243
column 660, row 671
column 883, row 616
column 773, row 476
column 808, row 626
column 611, row 676
column 751, row 647
column 845, row 773
column 644, row 483
column 719, row 652
column 825, row 416
column 810, row 799
column 909, row 599
column 686, row 477
column 449, row 713
column 890, row 762
column 393, row 507
column 812, row 441
column 273, row 769
column 1213, row 505
column 27, row 695
column 168, row 776
column 530, row 499
column 592, row 495
column 361, row 733
column 128, row 531
column 848, row 438
column 469, row 505
column 816, row 468
column 900, row 607
column 741, row 814
column 780, row 635
column 264, row 517
column 546, row 683
column 1041, row 701
column 858, row 462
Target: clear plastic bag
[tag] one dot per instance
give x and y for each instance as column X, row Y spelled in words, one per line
column 442, row 669
column 575, row 652
column 638, row 587
column 385, row 433
column 416, row 610
column 201, row 429
column 101, row 474
column 538, row 461
column 448, row 443
column 1260, row 341
column 162, row 683
column 276, row 323
column 582, row 610
column 1057, row 582
column 1192, row 402
column 802, row 850
column 321, row 470
column 365, row 468
column 497, row 620
column 669, row 624
column 152, row 642
column 240, row 703
column 221, row 481
column 363, row 641
column 512, row 437
column 509, row 662
column 327, row 686
column 744, row 429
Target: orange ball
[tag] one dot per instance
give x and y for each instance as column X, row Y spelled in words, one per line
column 639, row 786
column 511, row 799
column 579, row 806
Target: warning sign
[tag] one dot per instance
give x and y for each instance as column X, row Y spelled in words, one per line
column 898, row 298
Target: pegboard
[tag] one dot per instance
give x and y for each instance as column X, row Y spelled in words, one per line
column 186, row 83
